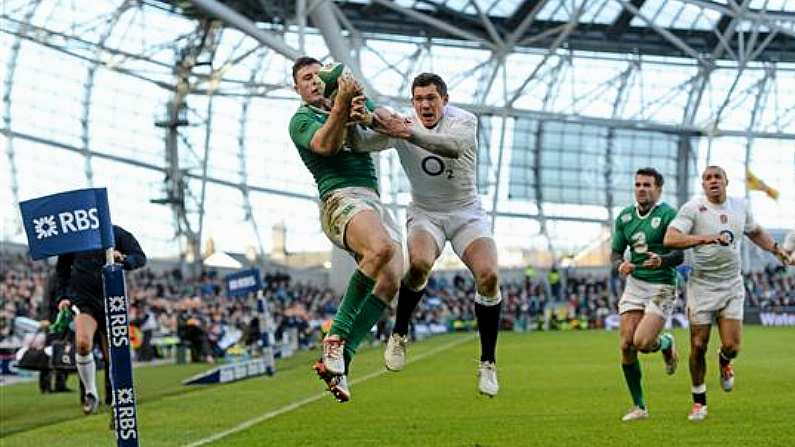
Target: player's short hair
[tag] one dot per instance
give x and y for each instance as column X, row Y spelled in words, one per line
column 426, row 79
column 721, row 170
column 651, row 172
column 302, row 62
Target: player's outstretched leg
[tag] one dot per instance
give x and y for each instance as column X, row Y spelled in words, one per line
column 488, row 317
column 480, row 256
column 381, row 258
column 332, row 357
column 699, row 340
column 423, row 251
column 726, row 370
column 337, row 385
column 487, row 379
column 670, row 355
column 633, row 376
column 359, row 287
column 630, row 365
column 85, row 326
column 395, row 352
column 374, row 306
column 730, row 333
column 665, row 343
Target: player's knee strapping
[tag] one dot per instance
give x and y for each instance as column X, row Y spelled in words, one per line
column 727, row 354
column 488, row 301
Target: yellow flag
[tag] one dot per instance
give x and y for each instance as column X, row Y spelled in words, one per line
column 754, row 183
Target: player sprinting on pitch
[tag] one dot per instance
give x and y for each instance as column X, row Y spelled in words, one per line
column 713, row 227
column 438, row 152
column 650, row 290
column 351, row 214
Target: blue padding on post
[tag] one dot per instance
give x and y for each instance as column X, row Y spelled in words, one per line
column 121, row 375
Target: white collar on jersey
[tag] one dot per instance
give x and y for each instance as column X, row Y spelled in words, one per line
column 637, row 213
column 317, row 109
column 717, row 206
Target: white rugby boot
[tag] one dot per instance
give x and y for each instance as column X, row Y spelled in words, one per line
column 487, row 379
column 395, row 352
column 635, row 414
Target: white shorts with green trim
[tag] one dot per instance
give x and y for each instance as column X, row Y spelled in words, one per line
column 338, row 207
column 649, row 297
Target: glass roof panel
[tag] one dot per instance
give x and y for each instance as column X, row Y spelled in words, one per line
column 604, row 11
column 503, row 8
column 677, row 14
column 773, row 5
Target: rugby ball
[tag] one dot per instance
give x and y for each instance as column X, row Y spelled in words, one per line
column 328, row 75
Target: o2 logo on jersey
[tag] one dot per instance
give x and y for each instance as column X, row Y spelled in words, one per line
column 727, row 238
column 434, row 166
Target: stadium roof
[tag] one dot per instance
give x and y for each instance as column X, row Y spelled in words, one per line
column 571, row 95
column 701, row 29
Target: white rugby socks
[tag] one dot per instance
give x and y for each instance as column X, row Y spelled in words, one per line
column 87, row 370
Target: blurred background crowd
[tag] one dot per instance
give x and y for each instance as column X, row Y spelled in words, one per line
column 168, row 309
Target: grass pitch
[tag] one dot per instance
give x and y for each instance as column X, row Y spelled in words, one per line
column 556, row 389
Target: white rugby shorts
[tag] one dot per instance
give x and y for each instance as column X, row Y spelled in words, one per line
column 459, row 226
column 709, row 300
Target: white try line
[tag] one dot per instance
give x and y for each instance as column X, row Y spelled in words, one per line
column 298, row 404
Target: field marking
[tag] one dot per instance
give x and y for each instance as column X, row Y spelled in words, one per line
column 298, row 404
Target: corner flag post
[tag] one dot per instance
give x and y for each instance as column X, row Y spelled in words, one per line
column 79, row 221
column 118, row 324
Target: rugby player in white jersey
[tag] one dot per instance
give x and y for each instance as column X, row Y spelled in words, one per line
column 713, row 226
column 438, row 151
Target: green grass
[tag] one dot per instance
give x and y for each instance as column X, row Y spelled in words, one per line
column 557, row 389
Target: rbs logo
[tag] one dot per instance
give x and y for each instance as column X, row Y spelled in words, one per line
column 67, row 222
column 239, row 283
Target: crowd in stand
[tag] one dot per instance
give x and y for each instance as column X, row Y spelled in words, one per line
column 770, row 289
column 196, row 311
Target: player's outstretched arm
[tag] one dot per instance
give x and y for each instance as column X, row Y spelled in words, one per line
column 362, row 139
column 678, row 240
column 375, row 127
column 765, row 241
column 450, row 144
column 328, row 140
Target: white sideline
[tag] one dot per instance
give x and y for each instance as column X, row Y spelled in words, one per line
column 308, row 400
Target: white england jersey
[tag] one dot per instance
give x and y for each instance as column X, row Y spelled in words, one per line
column 441, row 183
column 699, row 216
column 789, row 242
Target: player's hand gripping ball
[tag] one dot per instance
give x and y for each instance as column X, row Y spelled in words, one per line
column 327, row 77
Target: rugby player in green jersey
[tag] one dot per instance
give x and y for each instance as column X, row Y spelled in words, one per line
column 351, row 214
column 650, row 289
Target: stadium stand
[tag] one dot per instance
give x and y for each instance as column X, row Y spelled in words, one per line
column 196, row 313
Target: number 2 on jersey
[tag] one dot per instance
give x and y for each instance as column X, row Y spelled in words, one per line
column 639, row 243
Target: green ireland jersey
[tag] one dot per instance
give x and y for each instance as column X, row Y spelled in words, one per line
column 342, row 170
column 645, row 234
